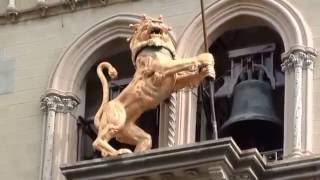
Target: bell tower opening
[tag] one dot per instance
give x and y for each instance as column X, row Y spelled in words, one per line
column 117, row 53
column 249, row 88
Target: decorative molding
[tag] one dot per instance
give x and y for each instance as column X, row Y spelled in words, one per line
column 280, row 15
column 58, row 103
column 53, row 102
column 298, row 56
column 297, row 59
column 77, row 55
column 172, row 119
column 216, row 160
column 16, row 15
column 217, row 173
column 184, row 162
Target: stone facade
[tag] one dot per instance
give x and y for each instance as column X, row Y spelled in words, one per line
column 37, row 35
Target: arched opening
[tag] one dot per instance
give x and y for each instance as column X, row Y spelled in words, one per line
column 247, row 61
column 280, row 17
column 68, row 83
column 69, row 86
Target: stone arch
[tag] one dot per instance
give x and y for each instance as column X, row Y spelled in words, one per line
column 78, row 53
column 64, row 99
column 280, row 16
column 65, row 91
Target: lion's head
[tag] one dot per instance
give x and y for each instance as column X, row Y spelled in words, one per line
column 150, row 32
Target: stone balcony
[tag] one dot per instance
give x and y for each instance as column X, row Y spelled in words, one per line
column 216, row 160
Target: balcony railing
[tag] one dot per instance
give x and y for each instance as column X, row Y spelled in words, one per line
column 272, row 156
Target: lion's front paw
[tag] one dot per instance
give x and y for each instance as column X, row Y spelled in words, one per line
column 124, row 151
column 205, row 59
column 207, row 71
column 106, row 153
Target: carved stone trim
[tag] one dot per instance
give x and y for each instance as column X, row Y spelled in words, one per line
column 297, row 59
column 217, row 173
column 298, row 56
column 49, row 9
column 172, row 119
column 58, row 103
column 52, row 103
column 218, row 159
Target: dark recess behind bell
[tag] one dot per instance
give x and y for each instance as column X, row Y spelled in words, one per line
column 263, row 129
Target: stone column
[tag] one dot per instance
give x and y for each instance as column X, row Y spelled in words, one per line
column 295, row 62
column 52, row 104
column 186, row 115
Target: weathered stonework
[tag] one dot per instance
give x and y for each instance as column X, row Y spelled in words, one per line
column 297, row 60
column 299, row 57
column 217, row 160
column 51, row 104
column 58, row 103
column 44, row 9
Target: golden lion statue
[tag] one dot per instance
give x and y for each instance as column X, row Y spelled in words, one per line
column 158, row 74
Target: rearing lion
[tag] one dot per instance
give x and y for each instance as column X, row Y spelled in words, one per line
column 158, row 74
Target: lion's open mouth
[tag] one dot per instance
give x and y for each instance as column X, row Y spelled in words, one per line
column 156, row 32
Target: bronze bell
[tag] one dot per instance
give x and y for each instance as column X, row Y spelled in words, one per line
column 253, row 121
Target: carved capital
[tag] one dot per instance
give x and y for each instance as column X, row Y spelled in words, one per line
column 297, row 57
column 58, row 103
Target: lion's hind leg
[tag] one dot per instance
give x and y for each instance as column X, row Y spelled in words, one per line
column 112, row 120
column 133, row 135
column 101, row 142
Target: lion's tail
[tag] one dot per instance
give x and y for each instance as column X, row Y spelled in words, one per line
column 105, row 87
